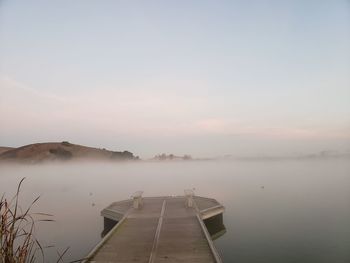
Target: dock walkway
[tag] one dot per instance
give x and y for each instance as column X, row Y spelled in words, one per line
column 163, row 229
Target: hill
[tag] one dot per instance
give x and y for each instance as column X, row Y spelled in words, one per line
column 4, row 149
column 61, row 151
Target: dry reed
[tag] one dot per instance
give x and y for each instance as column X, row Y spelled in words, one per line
column 17, row 241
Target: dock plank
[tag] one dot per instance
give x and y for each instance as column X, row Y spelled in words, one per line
column 181, row 238
column 164, row 229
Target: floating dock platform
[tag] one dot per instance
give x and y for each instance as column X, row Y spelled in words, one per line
column 158, row 229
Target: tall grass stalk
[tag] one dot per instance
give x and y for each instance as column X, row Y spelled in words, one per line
column 17, row 241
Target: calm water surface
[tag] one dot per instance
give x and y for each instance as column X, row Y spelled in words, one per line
column 289, row 211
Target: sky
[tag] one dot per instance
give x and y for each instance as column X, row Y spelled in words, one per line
column 206, row 78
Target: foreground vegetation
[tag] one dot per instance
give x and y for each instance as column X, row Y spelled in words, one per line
column 17, row 226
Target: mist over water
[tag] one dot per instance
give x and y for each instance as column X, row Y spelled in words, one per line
column 276, row 211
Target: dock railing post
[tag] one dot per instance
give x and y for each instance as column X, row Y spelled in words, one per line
column 189, row 197
column 137, row 199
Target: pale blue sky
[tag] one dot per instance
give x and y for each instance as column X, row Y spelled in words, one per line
column 198, row 77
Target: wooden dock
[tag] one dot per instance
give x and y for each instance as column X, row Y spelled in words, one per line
column 158, row 229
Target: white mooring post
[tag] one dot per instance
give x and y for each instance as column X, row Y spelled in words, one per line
column 137, row 199
column 189, row 197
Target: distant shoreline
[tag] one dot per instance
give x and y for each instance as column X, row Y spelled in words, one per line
column 63, row 152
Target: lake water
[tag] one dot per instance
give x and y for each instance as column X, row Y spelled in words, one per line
column 276, row 211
